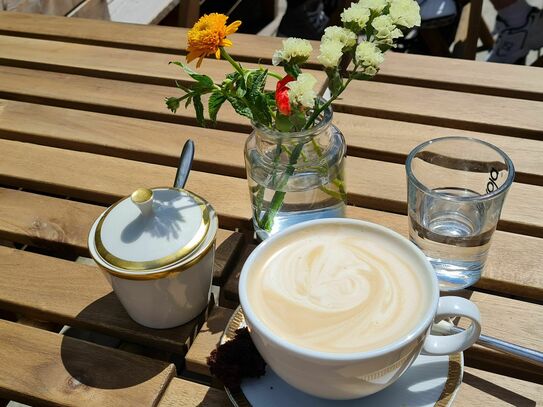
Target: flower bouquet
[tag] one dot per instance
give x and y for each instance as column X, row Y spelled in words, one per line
column 295, row 156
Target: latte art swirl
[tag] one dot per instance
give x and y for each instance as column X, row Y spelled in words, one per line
column 337, row 291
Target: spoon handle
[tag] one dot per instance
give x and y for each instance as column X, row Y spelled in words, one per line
column 185, row 163
column 526, row 354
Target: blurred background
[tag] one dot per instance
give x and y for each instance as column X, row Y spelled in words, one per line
column 465, row 29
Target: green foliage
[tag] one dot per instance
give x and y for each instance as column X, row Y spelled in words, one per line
column 361, row 76
column 293, row 70
column 240, row 106
column 199, row 108
column 173, row 103
column 215, row 102
column 335, row 81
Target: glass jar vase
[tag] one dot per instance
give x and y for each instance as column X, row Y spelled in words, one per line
column 295, row 176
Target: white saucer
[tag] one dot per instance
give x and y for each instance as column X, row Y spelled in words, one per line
column 430, row 381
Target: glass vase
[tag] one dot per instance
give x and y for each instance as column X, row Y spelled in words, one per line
column 295, row 176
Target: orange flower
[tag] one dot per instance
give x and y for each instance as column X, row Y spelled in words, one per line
column 208, row 34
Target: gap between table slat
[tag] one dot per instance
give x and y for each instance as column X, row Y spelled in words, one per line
column 432, row 72
column 40, row 367
column 222, row 151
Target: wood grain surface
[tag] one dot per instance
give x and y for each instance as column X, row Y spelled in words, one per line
column 106, row 62
column 43, row 368
column 132, row 36
column 115, row 180
column 474, row 112
column 206, row 340
column 60, row 224
column 440, row 73
column 392, row 140
column 43, row 169
column 373, row 184
column 182, row 393
column 480, row 388
column 222, row 151
column 74, row 294
column 462, row 76
column 82, row 115
column 136, row 139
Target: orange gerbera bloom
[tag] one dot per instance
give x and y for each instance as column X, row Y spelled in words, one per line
column 208, row 34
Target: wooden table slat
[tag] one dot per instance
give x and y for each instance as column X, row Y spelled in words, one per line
column 206, row 340
column 112, row 178
column 59, row 224
column 83, row 115
column 392, row 140
column 182, row 393
column 222, row 151
column 33, row 217
column 460, row 75
column 490, row 114
column 482, row 113
column 441, row 73
column 480, row 388
column 74, row 294
column 105, row 179
column 114, row 63
column 40, row 367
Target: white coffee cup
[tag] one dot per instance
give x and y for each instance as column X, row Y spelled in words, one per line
column 358, row 374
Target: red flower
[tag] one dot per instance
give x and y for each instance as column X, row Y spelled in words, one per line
column 281, row 95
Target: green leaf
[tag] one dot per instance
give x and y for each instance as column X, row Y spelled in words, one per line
column 261, row 111
column 298, row 120
column 205, row 83
column 335, row 81
column 233, row 76
column 199, row 108
column 215, row 102
column 173, row 103
column 240, row 92
column 240, row 107
column 293, row 70
column 282, row 123
column 258, row 82
column 270, row 98
column 189, row 99
column 361, row 76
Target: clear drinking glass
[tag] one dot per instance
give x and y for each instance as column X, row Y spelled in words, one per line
column 456, row 187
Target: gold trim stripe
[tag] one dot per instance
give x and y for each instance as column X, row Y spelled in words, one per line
column 128, row 265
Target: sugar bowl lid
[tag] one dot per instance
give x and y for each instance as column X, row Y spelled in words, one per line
column 152, row 230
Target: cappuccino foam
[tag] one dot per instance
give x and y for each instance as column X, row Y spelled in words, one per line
column 337, row 288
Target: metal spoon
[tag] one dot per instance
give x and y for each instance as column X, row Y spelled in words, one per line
column 185, row 164
column 529, row 355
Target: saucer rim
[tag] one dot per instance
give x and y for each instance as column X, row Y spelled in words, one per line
column 448, row 394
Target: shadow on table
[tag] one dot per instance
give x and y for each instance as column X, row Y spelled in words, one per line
column 499, row 392
column 106, row 368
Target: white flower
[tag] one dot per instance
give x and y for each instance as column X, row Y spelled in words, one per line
column 405, row 13
column 374, row 5
column 301, row 90
column 355, row 17
column 295, row 50
column 385, row 30
column 331, row 53
column 339, row 34
column 369, row 57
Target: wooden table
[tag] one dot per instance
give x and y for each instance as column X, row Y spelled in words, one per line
column 83, row 123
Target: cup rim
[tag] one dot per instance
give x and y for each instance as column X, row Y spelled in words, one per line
column 500, row 190
column 418, row 330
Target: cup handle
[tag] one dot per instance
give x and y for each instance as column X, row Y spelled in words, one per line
column 450, row 307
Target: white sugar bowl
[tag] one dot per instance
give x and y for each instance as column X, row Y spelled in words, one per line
column 157, row 249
